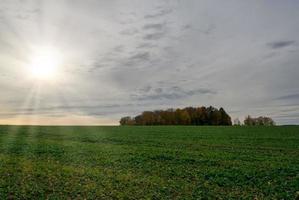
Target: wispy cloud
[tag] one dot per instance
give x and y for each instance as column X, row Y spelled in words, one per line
column 141, row 56
column 129, row 31
column 146, row 46
column 289, row 97
column 160, row 13
column 158, row 26
column 281, row 44
column 154, row 36
column 170, row 93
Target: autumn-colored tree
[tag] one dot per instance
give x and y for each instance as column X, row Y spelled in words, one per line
column 185, row 116
column 182, row 117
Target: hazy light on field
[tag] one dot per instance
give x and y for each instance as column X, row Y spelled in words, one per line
column 60, row 120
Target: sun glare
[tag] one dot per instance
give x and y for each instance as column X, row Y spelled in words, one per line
column 45, row 63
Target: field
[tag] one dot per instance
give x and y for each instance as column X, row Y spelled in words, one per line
column 172, row 162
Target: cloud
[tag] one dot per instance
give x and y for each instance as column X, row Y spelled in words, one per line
column 146, row 88
column 290, row 97
column 281, row 44
column 146, row 46
column 140, row 59
column 160, row 13
column 186, row 27
column 156, row 30
column 154, row 36
column 158, row 26
column 131, row 31
column 95, row 110
column 170, row 93
column 141, row 56
column 119, row 48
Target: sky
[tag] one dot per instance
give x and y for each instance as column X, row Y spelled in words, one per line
column 122, row 57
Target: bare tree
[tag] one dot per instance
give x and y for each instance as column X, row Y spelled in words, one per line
column 259, row 121
column 237, row 122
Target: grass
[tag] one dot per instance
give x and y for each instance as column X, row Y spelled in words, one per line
column 149, row 162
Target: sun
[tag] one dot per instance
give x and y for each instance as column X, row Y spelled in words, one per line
column 45, row 63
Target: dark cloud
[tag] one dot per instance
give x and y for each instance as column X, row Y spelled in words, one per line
column 171, row 93
column 290, row 97
column 281, row 44
column 139, row 59
column 108, row 59
column 141, row 56
column 270, row 55
column 294, row 116
column 154, row 36
column 158, row 90
column 146, row 88
column 131, row 31
column 158, row 26
column 186, row 27
column 156, row 31
column 209, row 30
column 146, row 46
column 160, row 13
column 119, row 48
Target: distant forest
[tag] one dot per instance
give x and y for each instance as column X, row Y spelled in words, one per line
column 186, row 116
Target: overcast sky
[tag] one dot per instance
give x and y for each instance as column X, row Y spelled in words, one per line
column 122, row 57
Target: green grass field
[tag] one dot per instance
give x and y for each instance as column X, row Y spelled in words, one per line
column 149, row 162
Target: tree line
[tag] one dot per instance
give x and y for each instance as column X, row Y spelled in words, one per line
column 258, row 121
column 186, row 116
